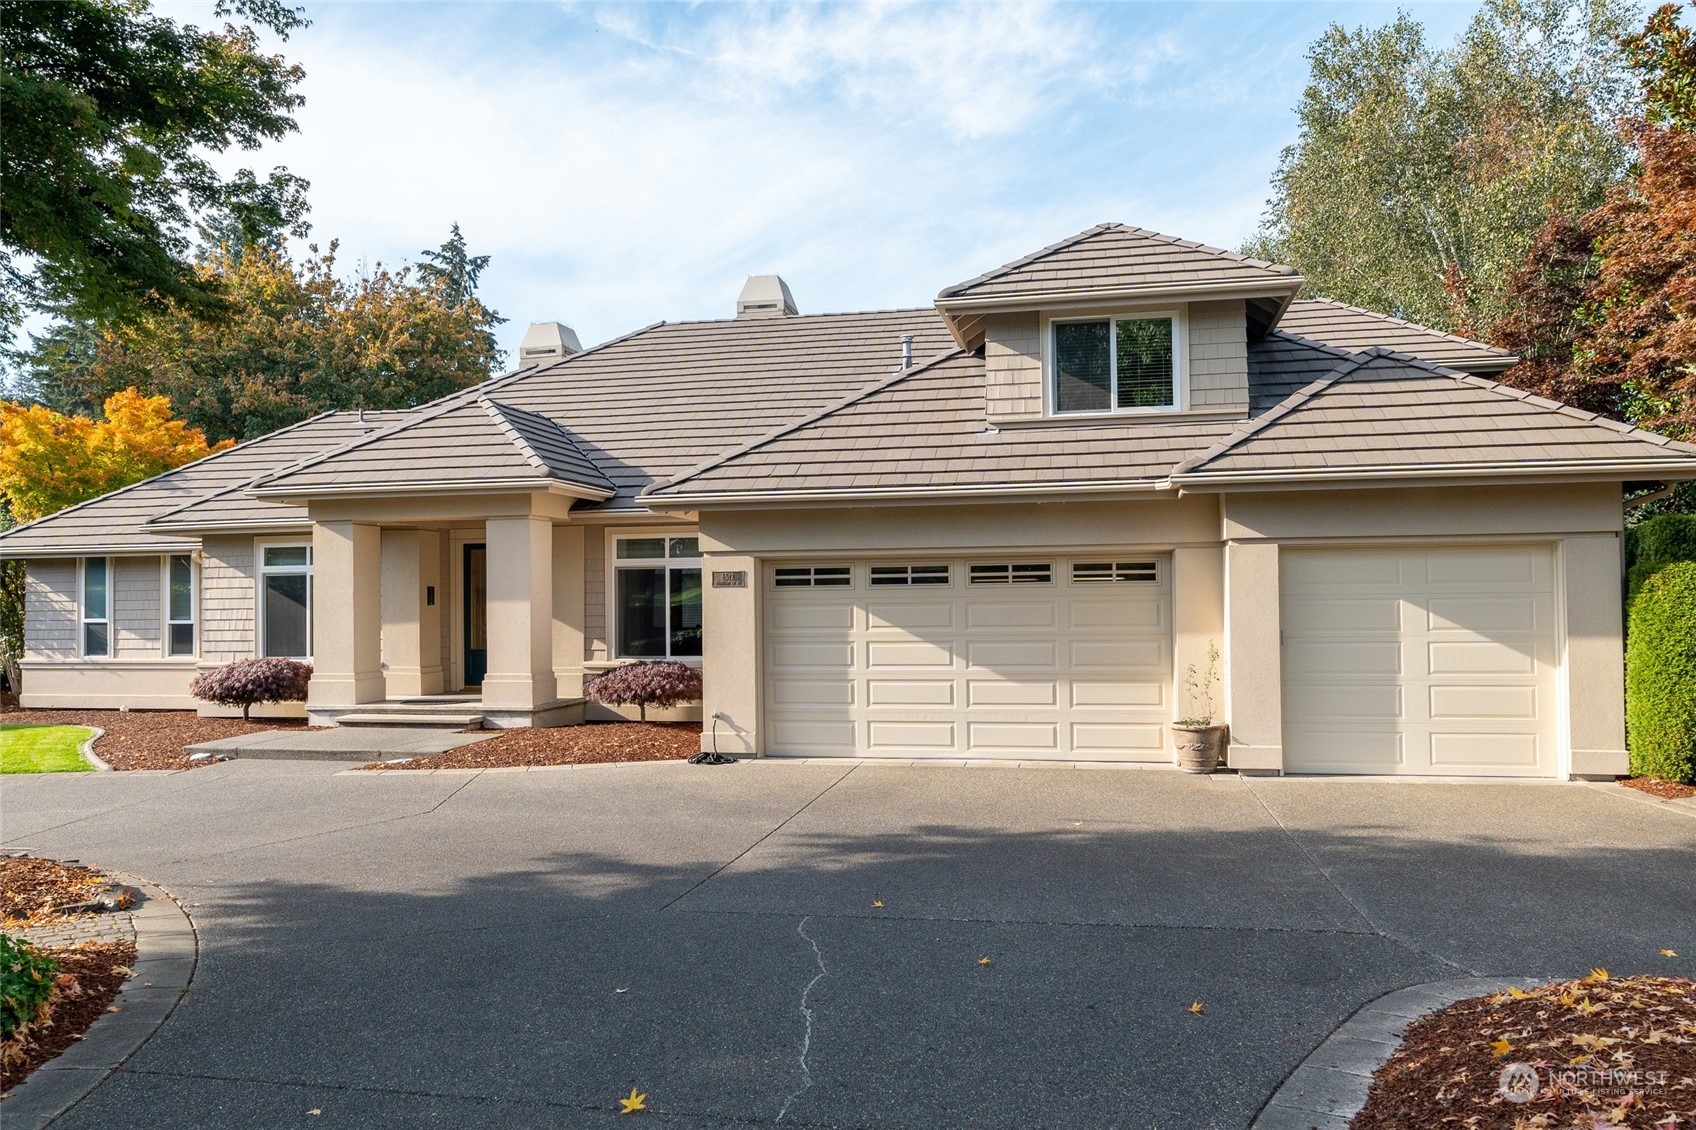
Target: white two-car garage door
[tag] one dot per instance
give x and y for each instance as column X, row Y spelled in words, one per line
column 982, row 658
column 1420, row 661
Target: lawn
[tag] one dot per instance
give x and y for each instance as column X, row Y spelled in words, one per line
column 43, row 749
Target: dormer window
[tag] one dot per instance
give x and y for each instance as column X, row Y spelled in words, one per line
column 1118, row 364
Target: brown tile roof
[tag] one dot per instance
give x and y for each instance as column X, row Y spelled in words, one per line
column 1349, row 327
column 1115, row 256
column 1315, row 408
column 1382, row 412
column 117, row 521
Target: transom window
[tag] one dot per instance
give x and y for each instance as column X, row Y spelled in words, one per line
column 1016, row 573
column 657, row 597
column 813, row 576
column 1108, row 572
column 285, row 601
column 1114, row 364
column 96, row 602
column 179, row 605
column 909, row 574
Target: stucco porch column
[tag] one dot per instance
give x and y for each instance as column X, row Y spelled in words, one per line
column 520, row 613
column 346, row 615
column 1254, row 690
column 412, row 620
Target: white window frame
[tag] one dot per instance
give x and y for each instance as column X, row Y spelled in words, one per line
column 84, row 619
column 1179, row 317
column 261, row 571
column 614, row 563
column 167, row 623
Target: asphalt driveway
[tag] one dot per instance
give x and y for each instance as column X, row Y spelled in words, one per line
column 520, row 949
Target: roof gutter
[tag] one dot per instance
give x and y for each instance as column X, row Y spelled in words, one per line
column 1074, row 296
column 987, row 492
column 84, row 549
column 299, row 495
column 1568, row 469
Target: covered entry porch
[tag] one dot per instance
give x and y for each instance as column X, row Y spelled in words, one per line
column 465, row 610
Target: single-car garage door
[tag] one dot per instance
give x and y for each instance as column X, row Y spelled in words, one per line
column 983, row 658
column 1420, row 661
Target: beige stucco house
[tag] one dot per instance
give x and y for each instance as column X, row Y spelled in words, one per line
column 1001, row 526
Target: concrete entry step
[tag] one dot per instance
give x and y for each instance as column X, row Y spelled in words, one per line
column 341, row 743
column 410, row 720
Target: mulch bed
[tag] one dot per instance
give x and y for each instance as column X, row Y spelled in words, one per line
column 33, row 891
column 90, row 976
column 1607, row 1051
column 147, row 739
column 591, row 743
column 1654, row 786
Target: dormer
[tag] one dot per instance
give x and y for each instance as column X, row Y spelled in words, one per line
column 1118, row 322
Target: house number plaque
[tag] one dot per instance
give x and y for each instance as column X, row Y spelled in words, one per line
column 736, row 579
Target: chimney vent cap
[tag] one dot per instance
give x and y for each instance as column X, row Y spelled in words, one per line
column 547, row 341
column 765, row 296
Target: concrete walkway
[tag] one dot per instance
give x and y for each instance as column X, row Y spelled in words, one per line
column 341, row 743
column 521, row 949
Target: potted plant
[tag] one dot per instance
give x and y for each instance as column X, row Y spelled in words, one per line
column 1201, row 744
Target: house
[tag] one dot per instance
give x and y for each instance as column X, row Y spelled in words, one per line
column 1002, row 526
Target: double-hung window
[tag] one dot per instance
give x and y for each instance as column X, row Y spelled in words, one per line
column 285, row 601
column 179, row 605
column 96, row 606
column 656, row 597
column 1115, row 364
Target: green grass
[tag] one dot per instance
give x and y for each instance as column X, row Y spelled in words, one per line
column 43, row 749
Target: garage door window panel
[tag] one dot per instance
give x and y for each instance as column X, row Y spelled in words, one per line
column 894, row 575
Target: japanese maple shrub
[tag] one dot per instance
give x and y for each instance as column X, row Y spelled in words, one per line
column 249, row 682
column 1660, row 674
column 642, row 685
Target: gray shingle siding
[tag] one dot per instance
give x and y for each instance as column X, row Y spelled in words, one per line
column 50, row 609
column 227, row 594
column 136, row 596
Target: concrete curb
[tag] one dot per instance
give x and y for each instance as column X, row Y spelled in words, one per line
column 166, row 953
column 1685, row 805
column 87, row 750
column 1328, row 1088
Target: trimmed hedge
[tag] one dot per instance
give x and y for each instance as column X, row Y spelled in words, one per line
column 1657, row 542
column 1660, row 673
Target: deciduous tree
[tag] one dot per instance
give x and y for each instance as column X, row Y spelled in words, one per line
column 113, row 117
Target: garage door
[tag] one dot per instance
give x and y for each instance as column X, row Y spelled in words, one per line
column 1420, row 661
column 982, row 658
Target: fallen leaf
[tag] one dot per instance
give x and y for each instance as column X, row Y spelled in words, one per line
column 1669, row 953
column 316, row 1111
column 621, row 991
column 1597, row 974
column 983, row 961
column 1196, row 1008
column 877, row 904
column 634, row 1103
column 1500, row 1046
column 1518, row 994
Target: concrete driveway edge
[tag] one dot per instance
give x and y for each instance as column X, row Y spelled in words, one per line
column 166, row 952
column 1329, row 1087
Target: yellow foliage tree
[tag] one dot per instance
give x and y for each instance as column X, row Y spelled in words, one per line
column 49, row 461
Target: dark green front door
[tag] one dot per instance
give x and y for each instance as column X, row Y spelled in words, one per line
column 476, row 615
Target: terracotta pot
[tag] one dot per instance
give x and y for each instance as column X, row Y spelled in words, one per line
column 1200, row 748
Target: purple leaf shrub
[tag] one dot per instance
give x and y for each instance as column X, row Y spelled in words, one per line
column 646, row 684
column 248, row 682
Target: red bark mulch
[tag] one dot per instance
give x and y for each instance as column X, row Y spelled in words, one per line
column 588, row 744
column 1654, row 786
column 90, row 976
column 148, row 739
column 1606, row 1052
column 33, row 891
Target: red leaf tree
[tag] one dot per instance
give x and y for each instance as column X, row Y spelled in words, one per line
column 248, row 682
column 646, row 684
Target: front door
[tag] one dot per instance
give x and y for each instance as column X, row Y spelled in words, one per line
column 476, row 615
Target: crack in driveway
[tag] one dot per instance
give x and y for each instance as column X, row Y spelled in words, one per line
column 807, row 1018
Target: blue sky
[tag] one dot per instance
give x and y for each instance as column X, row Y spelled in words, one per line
column 630, row 163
